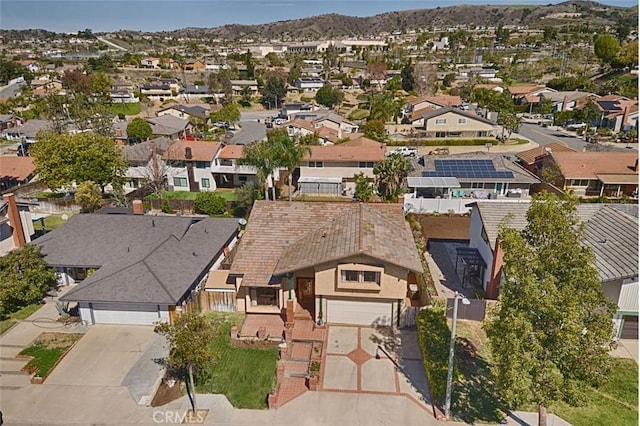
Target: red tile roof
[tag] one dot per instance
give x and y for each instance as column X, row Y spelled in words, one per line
column 231, row 152
column 530, row 155
column 19, row 168
column 587, row 165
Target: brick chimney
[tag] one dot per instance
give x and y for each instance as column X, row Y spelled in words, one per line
column 496, row 272
column 14, row 220
column 625, row 117
column 187, row 153
column 138, row 208
column 564, row 104
column 635, row 166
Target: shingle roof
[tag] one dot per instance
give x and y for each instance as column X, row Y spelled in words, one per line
column 529, row 156
column 144, row 259
column 587, row 165
column 282, row 235
column 347, row 153
column 140, row 153
column 167, row 124
column 611, row 231
column 200, row 150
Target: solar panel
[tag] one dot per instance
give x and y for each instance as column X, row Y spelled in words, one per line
column 481, row 169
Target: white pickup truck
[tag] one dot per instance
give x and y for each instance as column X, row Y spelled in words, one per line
column 404, row 151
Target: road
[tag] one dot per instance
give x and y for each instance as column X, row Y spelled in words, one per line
column 545, row 135
column 257, row 115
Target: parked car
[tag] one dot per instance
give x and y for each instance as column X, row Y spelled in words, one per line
column 279, row 121
column 405, row 151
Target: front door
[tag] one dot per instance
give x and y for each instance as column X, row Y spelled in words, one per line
column 305, row 295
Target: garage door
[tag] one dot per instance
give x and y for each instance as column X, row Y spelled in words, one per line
column 630, row 328
column 114, row 313
column 358, row 313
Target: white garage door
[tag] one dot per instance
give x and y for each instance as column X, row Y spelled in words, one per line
column 358, row 313
column 114, row 313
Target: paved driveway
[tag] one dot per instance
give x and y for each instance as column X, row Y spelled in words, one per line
column 377, row 362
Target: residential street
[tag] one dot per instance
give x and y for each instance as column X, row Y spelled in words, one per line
column 545, row 135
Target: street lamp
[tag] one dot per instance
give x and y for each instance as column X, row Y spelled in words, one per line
column 465, row 301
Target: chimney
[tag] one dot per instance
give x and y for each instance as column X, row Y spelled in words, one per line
column 14, row 121
column 14, row 220
column 187, row 153
column 496, row 271
column 625, row 117
column 138, row 208
column 635, row 166
column 564, row 104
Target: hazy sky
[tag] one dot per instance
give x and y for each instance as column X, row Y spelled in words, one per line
column 158, row 15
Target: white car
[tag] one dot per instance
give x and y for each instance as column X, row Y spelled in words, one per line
column 279, row 121
column 405, row 151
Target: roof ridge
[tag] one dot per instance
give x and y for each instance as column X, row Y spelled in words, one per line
column 359, row 224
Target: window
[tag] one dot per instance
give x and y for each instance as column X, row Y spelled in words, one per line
column 441, row 134
column 350, row 276
column 371, row 277
column 441, row 121
column 242, row 178
column 366, row 165
column 579, row 182
column 264, row 296
column 477, row 185
column 462, row 121
column 180, row 181
column 316, row 164
column 178, row 164
column 201, row 164
column 205, row 183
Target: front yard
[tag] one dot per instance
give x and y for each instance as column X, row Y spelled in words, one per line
column 475, row 398
column 245, row 375
column 47, row 350
column 21, row 314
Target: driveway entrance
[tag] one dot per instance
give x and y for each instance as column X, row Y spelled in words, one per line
column 375, row 361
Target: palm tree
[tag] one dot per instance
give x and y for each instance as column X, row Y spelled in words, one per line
column 289, row 152
column 261, row 156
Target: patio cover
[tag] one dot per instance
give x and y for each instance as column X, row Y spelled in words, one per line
column 432, row 182
column 308, row 179
column 618, row 179
column 219, row 281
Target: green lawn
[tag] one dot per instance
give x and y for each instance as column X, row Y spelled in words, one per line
column 47, row 349
column 51, row 222
column 19, row 315
column 126, row 109
column 186, row 195
column 244, row 375
column 475, row 399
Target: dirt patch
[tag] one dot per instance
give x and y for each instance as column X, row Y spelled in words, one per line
column 57, row 340
column 445, row 227
column 165, row 393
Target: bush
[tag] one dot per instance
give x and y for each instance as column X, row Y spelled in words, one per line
column 442, row 142
column 435, row 337
column 210, row 203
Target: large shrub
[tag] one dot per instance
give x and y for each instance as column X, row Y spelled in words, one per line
column 434, row 336
column 210, row 203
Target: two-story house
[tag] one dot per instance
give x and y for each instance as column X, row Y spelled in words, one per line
column 227, row 170
column 451, row 122
column 189, row 165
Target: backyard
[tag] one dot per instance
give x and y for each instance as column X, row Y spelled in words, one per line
column 126, row 109
column 476, row 400
column 245, row 375
column 186, row 195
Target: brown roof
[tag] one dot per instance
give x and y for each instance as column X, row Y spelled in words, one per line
column 523, row 90
column 442, row 100
column 19, row 168
column 344, row 152
column 231, row 152
column 530, row 156
column 282, row 237
column 304, row 124
column 200, row 151
column 587, row 165
column 356, row 139
column 417, row 114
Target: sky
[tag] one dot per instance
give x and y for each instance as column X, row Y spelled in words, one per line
column 167, row 15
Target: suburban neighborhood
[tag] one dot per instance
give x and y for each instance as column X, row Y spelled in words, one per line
column 422, row 216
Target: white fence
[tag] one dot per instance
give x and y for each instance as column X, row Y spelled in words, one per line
column 439, row 205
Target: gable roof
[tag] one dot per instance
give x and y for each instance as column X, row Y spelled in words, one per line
column 140, row 153
column 438, row 112
column 18, row 168
column 441, row 100
column 274, row 227
column 611, row 231
column 529, row 156
column 231, row 152
column 193, row 110
column 521, row 90
column 200, row 150
column 346, row 152
column 587, row 165
column 167, row 124
column 145, row 259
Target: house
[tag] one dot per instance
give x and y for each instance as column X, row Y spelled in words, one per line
column 618, row 112
column 30, row 65
column 446, row 182
column 188, row 112
column 335, row 122
column 45, row 86
column 345, row 263
column 140, row 162
column 528, row 94
column 9, row 121
column 194, row 90
column 238, row 86
column 136, row 269
column 289, row 110
column 170, row 126
column 451, row 122
column 611, row 232
column 330, row 169
column 309, row 84
column 122, row 92
column 610, row 174
column 194, row 65
column 418, row 105
column 531, row 159
column 28, row 131
column 567, row 101
column 189, row 164
column 160, row 87
column 150, row 62
column 15, row 171
column 227, row 170
column 16, row 223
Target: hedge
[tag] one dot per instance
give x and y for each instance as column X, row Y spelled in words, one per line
column 443, row 142
column 435, row 337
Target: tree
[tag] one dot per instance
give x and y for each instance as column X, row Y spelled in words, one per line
column 287, row 152
column 77, row 81
column 390, row 175
column 627, row 57
column 510, row 123
column 275, row 88
column 210, row 203
column 588, row 114
column 546, row 106
column 189, row 339
column 229, row 113
column 364, row 189
column 374, row 129
column 552, row 330
column 89, row 197
column 101, row 86
column 25, row 278
column 377, row 71
column 329, row 96
column 274, row 60
column 139, row 130
column 448, row 79
column 261, row 156
column 63, row 159
column 407, row 77
column 221, row 83
column 425, row 77
column 10, row 70
column 606, row 48
column 245, row 197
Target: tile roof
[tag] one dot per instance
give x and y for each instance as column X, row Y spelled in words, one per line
column 587, row 165
column 200, row 150
column 346, row 153
column 275, row 228
column 523, row 90
column 144, row 259
column 611, row 231
column 231, row 152
column 442, row 100
column 435, row 113
column 529, row 156
column 19, row 168
column 140, row 153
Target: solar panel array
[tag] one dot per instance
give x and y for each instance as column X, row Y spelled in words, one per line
column 481, row 169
